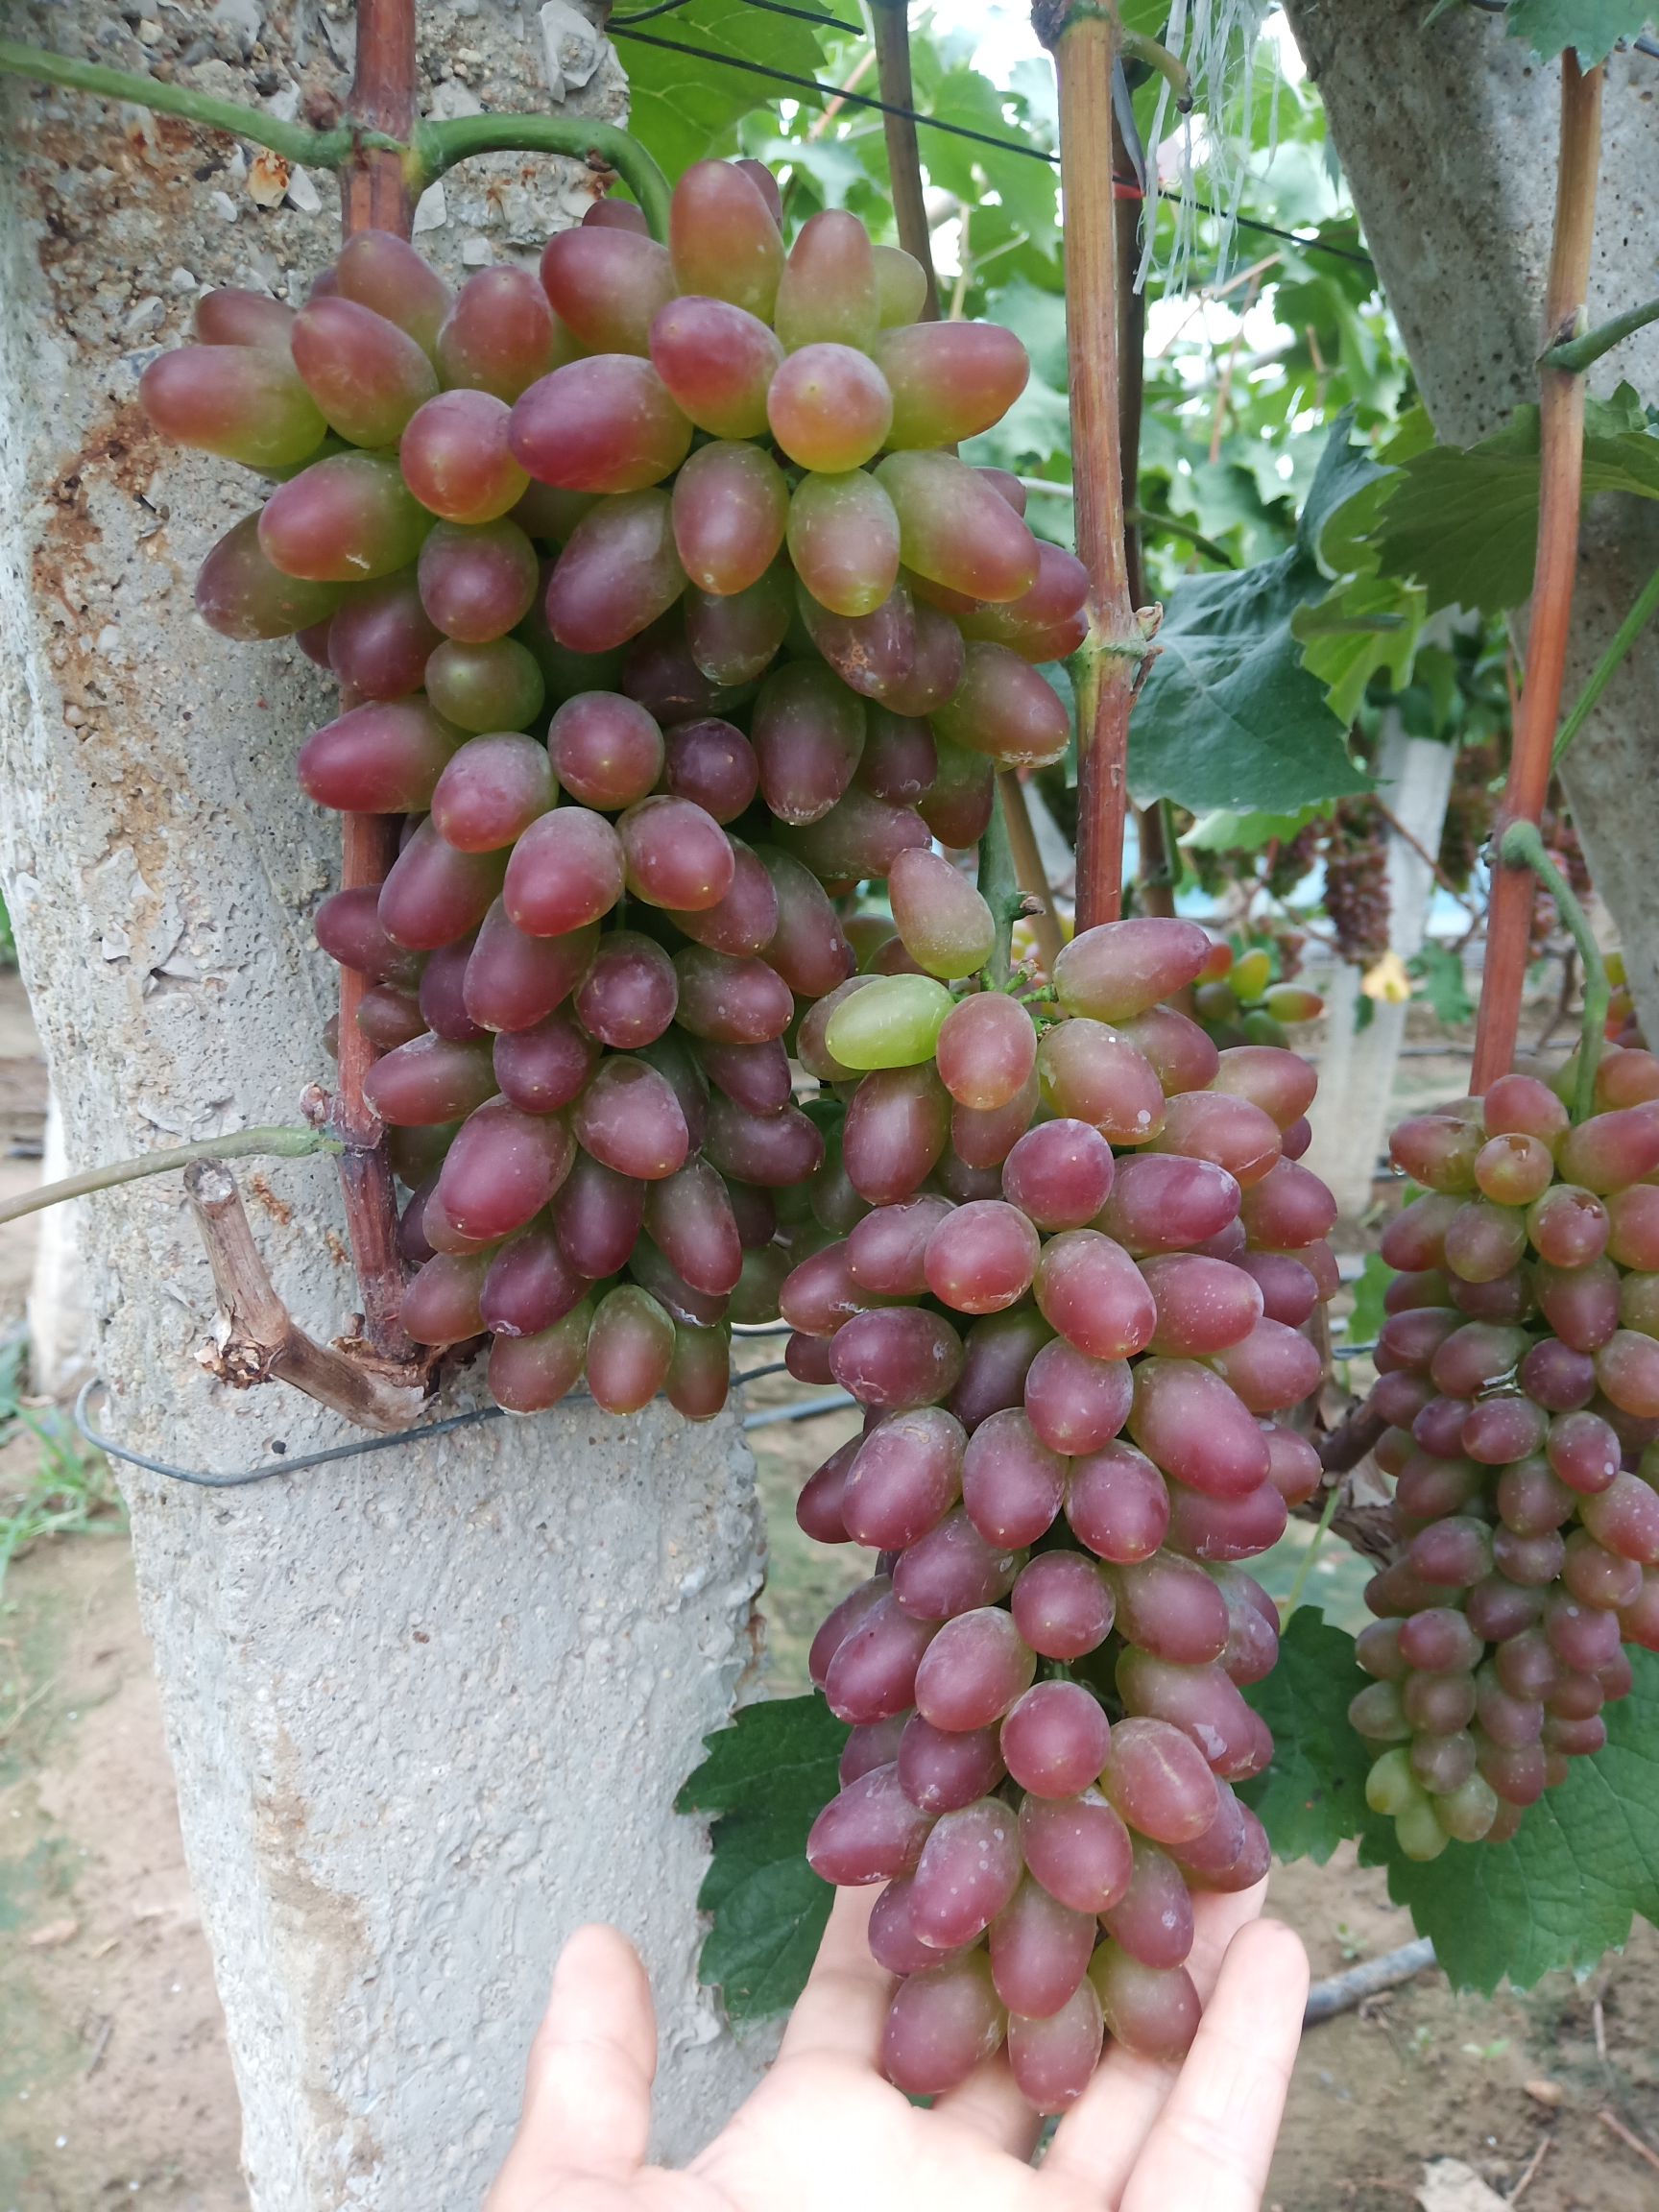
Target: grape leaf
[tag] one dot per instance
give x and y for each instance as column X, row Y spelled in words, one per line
column 1228, row 716
column 1228, row 832
column 1313, row 1796
column 1440, row 970
column 1463, row 521
column 1566, row 1888
column 679, row 106
column 1592, row 27
column 1367, row 1313
column 1363, row 627
column 765, row 1779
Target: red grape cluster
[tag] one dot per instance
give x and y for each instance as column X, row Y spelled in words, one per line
column 1357, row 880
column 664, row 608
column 1069, row 1288
column 1520, row 1376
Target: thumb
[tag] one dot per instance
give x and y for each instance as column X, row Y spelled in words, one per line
column 587, row 2088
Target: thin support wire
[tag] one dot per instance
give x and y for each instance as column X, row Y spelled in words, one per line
column 768, row 7
column 203, row 1478
column 868, row 100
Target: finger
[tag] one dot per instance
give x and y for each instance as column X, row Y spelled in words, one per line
column 840, row 2011
column 990, row 2107
column 587, row 2088
column 1216, row 2134
column 1097, row 2143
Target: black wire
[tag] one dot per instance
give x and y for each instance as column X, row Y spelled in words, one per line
column 962, row 131
column 770, row 7
column 203, row 1479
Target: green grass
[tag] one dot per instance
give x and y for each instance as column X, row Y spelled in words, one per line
column 51, row 1483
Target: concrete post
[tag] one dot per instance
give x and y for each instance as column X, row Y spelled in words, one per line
column 428, row 1709
column 1357, row 1069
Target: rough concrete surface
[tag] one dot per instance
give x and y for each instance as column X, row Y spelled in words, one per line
column 428, row 1709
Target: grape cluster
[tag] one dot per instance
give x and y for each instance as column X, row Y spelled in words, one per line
column 1469, row 812
column 665, row 610
column 1357, row 880
column 1238, row 1002
column 1067, row 1281
column 1519, row 1376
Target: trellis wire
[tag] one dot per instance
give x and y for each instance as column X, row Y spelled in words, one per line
column 204, row 1479
column 963, row 131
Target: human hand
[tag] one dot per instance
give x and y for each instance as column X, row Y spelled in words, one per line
column 825, row 2132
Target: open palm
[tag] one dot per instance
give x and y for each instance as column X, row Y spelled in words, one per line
column 824, row 2132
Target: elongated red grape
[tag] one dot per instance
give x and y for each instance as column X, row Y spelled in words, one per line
column 896, row 1357
column 871, row 1674
column 940, row 2024
column 904, row 1479
column 1078, row 1849
column 502, row 1168
column 828, row 291
column 941, row 1771
column 345, row 519
column 606, row 285
column 429, row 1081
column 730, row 503
column 723, row 238
column 618, row 571
column 1089, row 1289
column 500, row 335
column 774, row 1150
column 491, row 791
column 1012, row 1482
column 566, row 870
column 843, row 537
column 434, row 893
column 717, row 361
column 897, row 1127
column 956, row 529
column 245, row 402
column 1196, row 1428
column 1003, row 708
column 384, row 758
column 514, row 980
column 807, row 733
column 952, row 1569
column 241, row 593
column 546, row 1066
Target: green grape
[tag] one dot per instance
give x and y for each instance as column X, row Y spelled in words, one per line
column 1391, row 1786
column 829, row 290
column 894, row 1022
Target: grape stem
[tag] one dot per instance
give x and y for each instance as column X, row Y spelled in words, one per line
column 294, row 141
column 1561, row 484
column 891, row 24
column 1299, row 1587
column 1084, row 36
column 1577, row 354
column 999, row 888
column 436, row 147
column 1028, row 865
column 1522, row 847
column 422, row 155
column 273, row 1143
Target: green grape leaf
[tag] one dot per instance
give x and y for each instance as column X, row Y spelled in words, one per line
column 1228, row 716
column 765, row 1780
column 1463, row 521
column 1366, row 1320
column 679, row 106
column 1313, row 1796
column 1566, row 1887
column 1592, row 28
column 1225, row 832
column 1440, row 971
column 1364, row 627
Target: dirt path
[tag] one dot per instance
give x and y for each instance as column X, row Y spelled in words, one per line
column 114, row 2079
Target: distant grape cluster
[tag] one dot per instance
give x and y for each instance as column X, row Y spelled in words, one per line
column 1073, row 1256
column 1519, row 1376
column 666, row 613
column 1238, row 1002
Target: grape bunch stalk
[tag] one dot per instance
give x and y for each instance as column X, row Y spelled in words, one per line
column 666, row 613
column 1067, row 1279
column 1520, row 1378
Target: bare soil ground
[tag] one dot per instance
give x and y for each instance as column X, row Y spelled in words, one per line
column 115, row 2085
